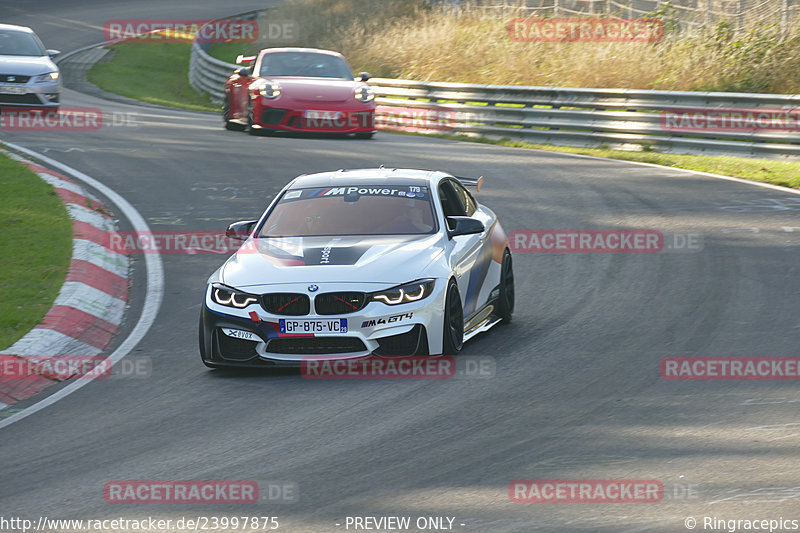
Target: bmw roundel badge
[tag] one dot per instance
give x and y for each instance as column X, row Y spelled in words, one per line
column 313, row 288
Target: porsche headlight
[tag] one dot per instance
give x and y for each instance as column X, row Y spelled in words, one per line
column 364, row 93
column 269, row 89
column 50, row 76
column 230, row 297
column 403, row 294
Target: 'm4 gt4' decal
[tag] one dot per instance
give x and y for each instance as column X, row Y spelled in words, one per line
column 387, row 320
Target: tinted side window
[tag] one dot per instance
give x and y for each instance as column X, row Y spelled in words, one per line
column 466, row 199
column 451, row 201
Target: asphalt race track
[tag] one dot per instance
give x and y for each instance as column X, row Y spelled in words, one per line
column 576, row 393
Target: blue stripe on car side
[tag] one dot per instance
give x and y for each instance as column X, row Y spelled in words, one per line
column 477, row 276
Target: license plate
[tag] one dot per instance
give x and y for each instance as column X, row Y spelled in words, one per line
column 241, row 334
column 12, row 89
column 334, row 325
column 323, row 115
column 324, row 119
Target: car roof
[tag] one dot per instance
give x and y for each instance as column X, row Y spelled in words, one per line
column 296, row 49
column 15, row 28
column 369, row 176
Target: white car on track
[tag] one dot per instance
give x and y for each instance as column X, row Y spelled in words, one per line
column 355, row 263
column 28, row 76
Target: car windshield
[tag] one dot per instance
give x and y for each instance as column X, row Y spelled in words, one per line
column 20, row 43
column 352, row 210
column 305, row 64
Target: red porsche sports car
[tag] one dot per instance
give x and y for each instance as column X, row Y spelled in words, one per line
column 298, row 89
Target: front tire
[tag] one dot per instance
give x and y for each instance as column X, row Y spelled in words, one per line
column 365, row 135
column 202, row 339
column 453, row 328
column 505, row 304
column 251, row 121
column 226, row 116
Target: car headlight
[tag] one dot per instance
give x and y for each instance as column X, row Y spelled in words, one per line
column 364, row 93
column 406, row 293
column 230, row 297
column 269, row 90
column 50, row 76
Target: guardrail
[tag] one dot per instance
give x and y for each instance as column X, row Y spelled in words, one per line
column 744, row 124
column 207, row 74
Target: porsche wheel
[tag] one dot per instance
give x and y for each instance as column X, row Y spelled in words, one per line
column 251, row 121
column 226, row 115
column 453, row 334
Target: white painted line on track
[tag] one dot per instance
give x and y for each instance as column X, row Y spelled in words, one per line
column 154, row 290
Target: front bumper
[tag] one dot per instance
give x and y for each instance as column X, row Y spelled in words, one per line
column 46, row 95
column 376, row 329
column 279, row 116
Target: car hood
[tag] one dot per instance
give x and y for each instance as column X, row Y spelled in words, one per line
column 381, row 259
column 319, row 90
column 26, row 65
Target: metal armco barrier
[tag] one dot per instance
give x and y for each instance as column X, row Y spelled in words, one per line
column 207, row 74
column 617, row 118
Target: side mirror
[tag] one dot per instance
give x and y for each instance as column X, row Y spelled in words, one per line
column 242, row 71
column 364, row 76
column 240, row 230
column 464, row 226
column 53, row 53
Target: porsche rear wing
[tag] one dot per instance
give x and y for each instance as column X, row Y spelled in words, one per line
column 471, row 182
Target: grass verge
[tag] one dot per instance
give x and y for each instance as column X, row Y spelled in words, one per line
column 157, row 73
column 776, row 172
column 35, row 249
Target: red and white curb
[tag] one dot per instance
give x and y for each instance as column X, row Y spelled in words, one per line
column 90, row 307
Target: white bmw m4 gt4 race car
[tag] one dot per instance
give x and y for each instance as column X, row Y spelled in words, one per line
column 356, row 263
